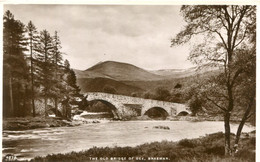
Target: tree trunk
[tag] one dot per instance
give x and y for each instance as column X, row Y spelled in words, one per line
column 56, row 98
column 11, row 97
column 227, row 133
column 32, row 80
column 45, row 106
column 24, row 107
column 33, row 105
column 242, row 123
column 56, row 105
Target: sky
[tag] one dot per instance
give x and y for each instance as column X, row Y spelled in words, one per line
column 139, row 35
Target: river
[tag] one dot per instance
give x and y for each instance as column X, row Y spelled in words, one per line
column 40, row 142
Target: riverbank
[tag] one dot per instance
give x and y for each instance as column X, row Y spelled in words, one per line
column 206, row 149
column 187, row 118
column 201, row 118
column 24, row 123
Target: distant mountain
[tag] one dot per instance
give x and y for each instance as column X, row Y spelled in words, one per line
column 175, row 73
column 98, row 85
column 181, row 73
column 128, row 79
column 117, row 71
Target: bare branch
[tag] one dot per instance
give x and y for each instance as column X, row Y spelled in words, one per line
column 217, row 60
column 239, row 71
column 223, row 41
column 237, row 25
column 244, row 35
column 220, row 107
column 223, row 23
column 227, row 16
column 249, row 116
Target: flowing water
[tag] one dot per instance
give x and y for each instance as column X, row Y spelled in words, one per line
column 40, row 142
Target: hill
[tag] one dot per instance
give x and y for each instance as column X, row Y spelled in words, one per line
column 117, row 71
column 182, row 73
column 98, row 85
column 128, row 79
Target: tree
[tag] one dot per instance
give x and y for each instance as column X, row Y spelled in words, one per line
column 225, row 29
column 44, row 59
column 15, row 69
column 195, row 104
column 71, row 79
column 32, row 37
column 246, row 59
column 162, row 94
column 72, row 82
column 57, row 61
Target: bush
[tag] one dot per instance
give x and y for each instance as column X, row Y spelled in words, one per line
column 195, row 104
column 216, row 150
column 162, row 94
column 178, row 85
column 186, row 143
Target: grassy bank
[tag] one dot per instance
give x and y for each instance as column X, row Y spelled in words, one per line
column 208, row 148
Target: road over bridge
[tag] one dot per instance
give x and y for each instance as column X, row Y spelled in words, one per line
column 124, row 106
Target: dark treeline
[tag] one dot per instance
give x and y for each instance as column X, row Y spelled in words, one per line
column 36, row 79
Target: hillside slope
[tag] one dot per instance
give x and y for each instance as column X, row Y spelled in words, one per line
column 117, row 71
column 128, row 79
column 181, row 73
column 98, row 85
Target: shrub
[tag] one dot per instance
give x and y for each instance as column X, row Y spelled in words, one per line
column 195, row 104
column 162, row 94
column 216, row 150
column 186, row 143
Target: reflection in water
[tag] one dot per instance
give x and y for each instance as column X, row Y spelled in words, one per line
column 40, row 142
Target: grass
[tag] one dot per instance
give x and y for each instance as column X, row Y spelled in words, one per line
column 206, row 149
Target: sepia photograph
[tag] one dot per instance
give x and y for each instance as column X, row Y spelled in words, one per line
column 129, row 82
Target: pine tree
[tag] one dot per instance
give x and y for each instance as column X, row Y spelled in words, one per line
column 32, row 37
column 71, row 79
column 44, row 56
column 15, row 68
column 57, row 61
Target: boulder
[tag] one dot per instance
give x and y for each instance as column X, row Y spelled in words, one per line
column 161, row 127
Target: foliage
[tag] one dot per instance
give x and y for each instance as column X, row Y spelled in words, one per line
column 195, row 104
column 186, row 143
column 162, row 94
column 178, row 85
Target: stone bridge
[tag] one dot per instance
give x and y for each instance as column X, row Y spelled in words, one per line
column 124, row 106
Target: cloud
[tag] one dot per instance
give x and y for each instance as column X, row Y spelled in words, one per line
column 138, row 35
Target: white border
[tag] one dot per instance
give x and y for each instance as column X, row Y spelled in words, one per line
column 138, row 2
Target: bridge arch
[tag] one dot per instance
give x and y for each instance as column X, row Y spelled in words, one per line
column 183, row 113
column 112, row 107
column 156, row 112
